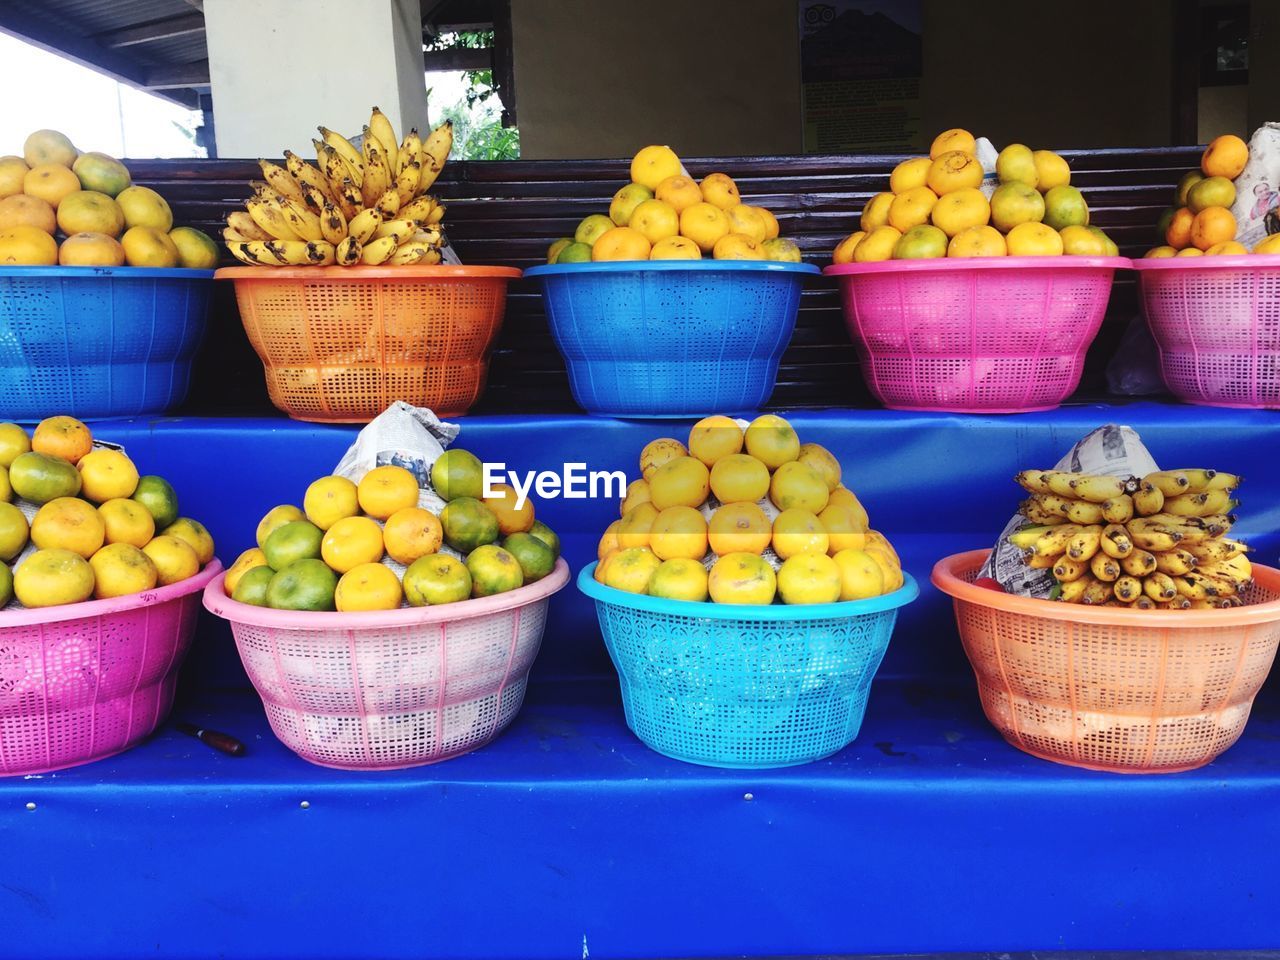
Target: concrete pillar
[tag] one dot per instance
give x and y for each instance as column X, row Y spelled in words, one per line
column 278, row 68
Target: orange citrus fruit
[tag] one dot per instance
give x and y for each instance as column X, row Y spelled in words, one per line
column 384, row 490
column 739, row 528
column 64, row 437
column 412, row 533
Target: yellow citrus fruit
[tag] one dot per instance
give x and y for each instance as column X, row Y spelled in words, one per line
column 23, row 211
column 350, row 542
column 87, row 211
column 1183, row 190
column 911, row 208
column 621, row 207
column 844, row 529
column 12, row 171
column 621, row 243
column 860, row 576
column 653, row 164
column 384, row 490
column 675, row 248
column 679, row 579
column 748, row 221
column 637, row 493
column 194, row 534
column 1269, row 244
column 658, row 452
column 684, row 481
column 435, row 579
column 1228, row 248
column 1016, row 164
column 1225, row 156
column 329, row 500
column 175, row 560
column 822, row 460
column 739, row 528
column 1164, row 250
column 6, row 488
column 143, row 207
column 679, row 532
column 1211, row 192
column 1190, row 252
column 412, row 533
column 738, row 246
column 27, row 247
column 844, row 497
column 13, row 442
column 50, row 578
column 49, row 146
column 877, row 245
column 1033, row 240
column 127, row 521
column 602, row 567
column 772, row 441
column 797, row 531
column 704, row 224
column 107, row 475
column 797, row 484
column 719, row 190
column 960, row 210
column 742, row 578
column 876, row 212
column 1212, row 225
column 511, row 519
column 678, row 192
column 809, row 578
column 739, row 478
column 50, row 182
column 64, row 437
column 953, row 139
column 953, row 170
column 370, row 586
column 14, row 531
column 120, row 569
column 277, row 517
column 248, row 560
column 149, row 247
column 196, row 249
column 771, row 226
column 90, row 250
column 909, row 174
column 921, row 242
column 977, row 242
column 633, row 528
column 590, row 229
column 843, row 252
column 713, row 438
column 631, row 569
column 1014, row 203
column 1079, row 241
column 878, row 541
column 68, row 523
column 608, row 540
column 1178, row 233
column 1051, row 170
column 889, row 567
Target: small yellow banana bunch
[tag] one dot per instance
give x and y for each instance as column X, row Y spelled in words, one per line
column 1159, row 542
column 357, row 205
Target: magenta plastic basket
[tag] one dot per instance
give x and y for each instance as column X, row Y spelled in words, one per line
column 975, row 335
column 88, row 680
column 1216, row 321
column 394, row 688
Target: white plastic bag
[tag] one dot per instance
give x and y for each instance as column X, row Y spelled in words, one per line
column 1258, row 188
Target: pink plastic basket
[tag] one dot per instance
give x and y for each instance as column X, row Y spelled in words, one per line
column 1216, row 321
column 980, row 335
column 87, row 680
column 395, row 688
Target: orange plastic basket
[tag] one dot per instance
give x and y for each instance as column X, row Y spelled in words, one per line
column 1129, row 691
column 340, row 344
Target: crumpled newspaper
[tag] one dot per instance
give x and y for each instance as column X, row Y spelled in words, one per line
column 1111, row 450
column 1257, row 206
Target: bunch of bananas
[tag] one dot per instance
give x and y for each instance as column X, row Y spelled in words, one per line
column 1159, row 542
column 359, row 205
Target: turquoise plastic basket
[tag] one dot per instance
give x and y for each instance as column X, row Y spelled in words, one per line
column 747, row 687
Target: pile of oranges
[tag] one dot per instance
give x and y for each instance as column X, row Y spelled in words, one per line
column 85, row 524
column 936, row 207
column 1200, row 222
column 746, row 517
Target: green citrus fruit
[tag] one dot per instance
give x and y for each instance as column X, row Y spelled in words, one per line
column 457, row 473
column 160, row 499
column 535, row 557
column 303, row 585
column 546, row 535
column 40, row 478
column 294, row 541
column 436, row 578
column 468, row 524
column 252, row 587
column 493, row 570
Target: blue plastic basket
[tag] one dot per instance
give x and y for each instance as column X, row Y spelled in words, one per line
column 97, row 342
column 744, row 686
column 672, row 338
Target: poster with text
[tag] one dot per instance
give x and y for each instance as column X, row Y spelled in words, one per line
column 860, row 64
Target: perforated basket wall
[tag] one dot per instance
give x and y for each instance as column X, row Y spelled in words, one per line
column 672, row 338
column 339, row 345
column 392, row 689
column 736, row 688
column 1217, row 324
column 998, row 335
column 98, row 341
column 86, row 681
column 1129, row 691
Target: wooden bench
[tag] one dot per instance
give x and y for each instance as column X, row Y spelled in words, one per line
column 508, row 213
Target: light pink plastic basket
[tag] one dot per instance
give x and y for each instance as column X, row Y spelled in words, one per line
column 979, row 335
column 1216, row 321
column 87, row 680
column 395, row 688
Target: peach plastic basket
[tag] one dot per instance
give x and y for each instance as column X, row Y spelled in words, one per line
column 391, row 688
column 1105, row 688
column 340, row 344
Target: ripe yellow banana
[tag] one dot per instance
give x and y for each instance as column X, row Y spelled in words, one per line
column 1053, row 542
column 388, row 204
column 301, row 220
column 332, row 167
column 1152, row 536
column 1148, row 500
column 1105, row 568
column 314, row 198
column 402, row 230
column 1116, row 542
column 1073, row 591
column 437, row 214
column 1052, row 504
column 1176, row 562
column 361, row 227
column 349, row 199
column 435, row 151
column 321, row 253
column 280, row 180
column 1098, row 488
column 304, row 173
column 1083, row 511
column 1194, row 587
column 347, row 253
column 1096, row 593
column 1127, row 589
column 1169, row 482
column 1138, row 564
column 1083, row 545
column 381, row 128
column 269, row 217
column 376, row 252
column 418, row 209
column 411, row 252
column 1118, row 509
column 409, row 164
column 239, row 251
column 1037, row 562
column 1061, row 483
column 346, row 150
column 1218, row 550
column 1159, row 587
column 1030, row 480
column 1224, row 481
column 269, row 253
column 243, row 224
column 377, row 177
column 1237, row 569
column 333, row 225
column 234, row 236
column 1067, row 569
column 1144, row 603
